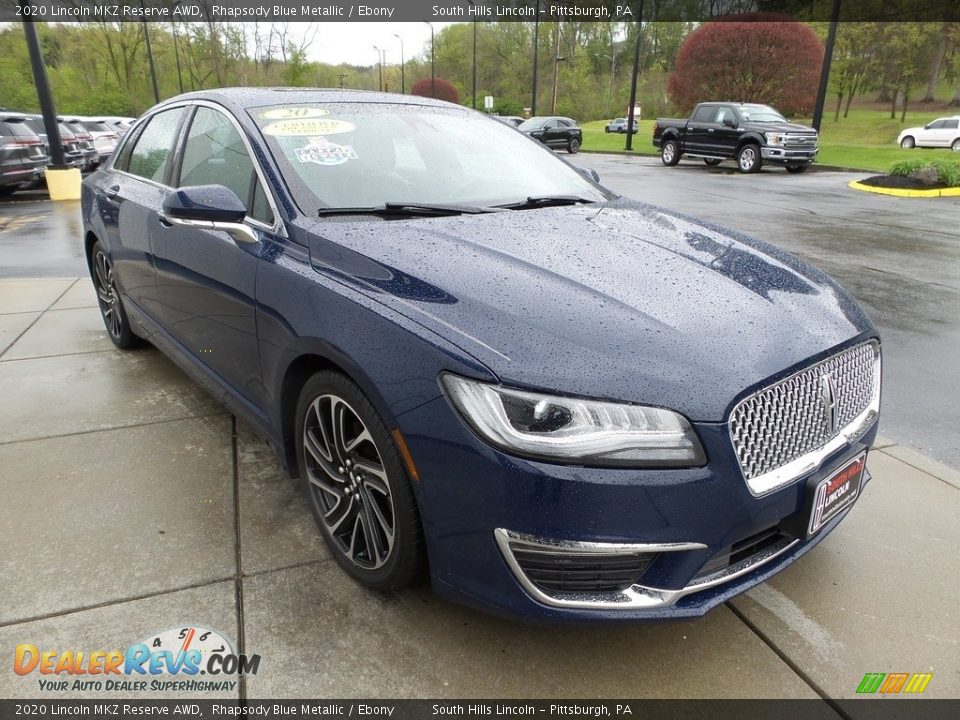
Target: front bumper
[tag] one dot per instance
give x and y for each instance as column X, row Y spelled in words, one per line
column 785, row 156
column 470, row 494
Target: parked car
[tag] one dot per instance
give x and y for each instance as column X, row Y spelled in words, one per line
column 567, row 405
column 21, row 154
column 941, row 133
column 104, row 138
column 514, row 120
column 119, row 125
column 84, row 139
column 554, row 132
column 73, row 155
column 619, row 125
column 748, row 133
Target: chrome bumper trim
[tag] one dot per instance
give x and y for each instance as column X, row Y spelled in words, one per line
column 636, row 596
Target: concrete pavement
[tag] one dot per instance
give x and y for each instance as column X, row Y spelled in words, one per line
column 133, row 503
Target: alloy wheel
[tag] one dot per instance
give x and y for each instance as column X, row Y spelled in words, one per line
column 748, row 158
column 107, row 295
column 349, row 482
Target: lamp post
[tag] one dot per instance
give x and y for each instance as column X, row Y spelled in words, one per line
column 613, row 72
column 536, row 43
column 380, row 63
column 633, row 79
column 403, row 81
column 433, row 63
column 473, row 91
column 153, row 70
column 176, row 49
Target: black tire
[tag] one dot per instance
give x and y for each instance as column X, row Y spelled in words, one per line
column 749, row 159
column 797, row 169
column 573, row 146
column 108, row 298
column 712, row 162
column 956, row 145
column 669, row 153
column 606, row 130
column 371, row 478
column 908, row 143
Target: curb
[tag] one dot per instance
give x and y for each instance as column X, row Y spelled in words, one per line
column 896, row 192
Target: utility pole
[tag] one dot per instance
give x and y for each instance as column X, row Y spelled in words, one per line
column 556, row 68
column 825, row 68
column 536, row 44
column 176, row 49
column 433, row 63
column 633, row 80
column 403, row 79
column 613, row 72
column 473, row 91
column 153, row 70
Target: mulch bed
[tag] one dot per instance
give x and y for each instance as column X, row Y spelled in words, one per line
column 900, row 182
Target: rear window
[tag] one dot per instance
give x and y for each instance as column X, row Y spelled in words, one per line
column 13, row 127
column 97, row 127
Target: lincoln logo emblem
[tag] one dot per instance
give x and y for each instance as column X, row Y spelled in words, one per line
column 828, row 397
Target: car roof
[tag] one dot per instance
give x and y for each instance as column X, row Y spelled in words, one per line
column 239, row 99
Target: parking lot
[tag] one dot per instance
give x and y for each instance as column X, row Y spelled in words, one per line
column 140, row 504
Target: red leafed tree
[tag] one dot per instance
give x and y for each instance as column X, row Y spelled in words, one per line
column 758, row 58
column 443, row 90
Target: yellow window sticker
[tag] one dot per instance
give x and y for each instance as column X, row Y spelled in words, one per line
column 292, row 113
column 308, row 127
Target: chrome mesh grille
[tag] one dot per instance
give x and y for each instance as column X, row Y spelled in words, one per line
column 787, row 420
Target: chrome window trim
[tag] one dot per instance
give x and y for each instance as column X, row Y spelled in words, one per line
column 278, row 227
column 805, row 464
column 636, row 597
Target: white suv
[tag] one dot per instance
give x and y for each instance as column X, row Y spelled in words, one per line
column 944, row 132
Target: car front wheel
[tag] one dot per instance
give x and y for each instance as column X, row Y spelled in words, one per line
column 357, row 484
column 908, row 143
column 108, row 298
column 670, row 153
column 748, row 159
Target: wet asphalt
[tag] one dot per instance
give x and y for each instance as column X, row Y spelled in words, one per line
column 899, row 257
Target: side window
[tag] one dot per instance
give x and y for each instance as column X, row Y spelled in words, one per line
column 704, row 113
column 214, row 154
column 724, row 113
column 952, row 124
column 937, row 124
column 150, row 155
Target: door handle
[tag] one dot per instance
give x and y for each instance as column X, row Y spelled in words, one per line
column 112, row 192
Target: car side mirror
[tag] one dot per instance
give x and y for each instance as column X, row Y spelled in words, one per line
column 588, row 173
column 208, row 207
column 730, row 122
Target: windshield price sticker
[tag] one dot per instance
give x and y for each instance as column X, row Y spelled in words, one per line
column 323, row 152
column 292, row 113
column 308, row 128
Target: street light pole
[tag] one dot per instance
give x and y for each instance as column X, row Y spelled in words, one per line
column 825, row 68
column 380, row 63
column 473, row 91
column 633, row 79
column 153, row 70
column 176, row 49
column 44, row 96
column 403, row 81
column 536, row 45
column 433, row 63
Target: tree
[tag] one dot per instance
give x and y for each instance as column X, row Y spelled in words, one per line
column 756, row 58
column 442, row 90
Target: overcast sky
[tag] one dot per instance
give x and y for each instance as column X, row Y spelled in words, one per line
column 344, row 42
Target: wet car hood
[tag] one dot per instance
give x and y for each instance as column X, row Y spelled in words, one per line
column 621, row 300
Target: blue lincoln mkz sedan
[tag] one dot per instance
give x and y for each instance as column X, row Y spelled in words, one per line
column 562, row 404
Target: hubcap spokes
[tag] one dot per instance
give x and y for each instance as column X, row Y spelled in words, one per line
column 107, row 293
column 349, row 482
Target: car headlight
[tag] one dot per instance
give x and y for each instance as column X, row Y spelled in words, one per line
column 572, row 430
column 774, row 138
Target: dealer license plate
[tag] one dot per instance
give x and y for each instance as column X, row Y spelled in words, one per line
column 835, row 493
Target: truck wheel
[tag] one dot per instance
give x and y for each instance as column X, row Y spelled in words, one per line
column 796, row 169
column 908, row 143
column 748, row 159
column 670, row 153
column 712, row 162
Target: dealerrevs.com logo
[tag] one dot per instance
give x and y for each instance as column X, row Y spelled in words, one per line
column 171, row 660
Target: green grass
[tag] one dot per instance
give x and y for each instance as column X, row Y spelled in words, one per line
column 866, row 140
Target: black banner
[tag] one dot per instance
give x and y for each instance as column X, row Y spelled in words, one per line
column 872, row 709
column 465, row 11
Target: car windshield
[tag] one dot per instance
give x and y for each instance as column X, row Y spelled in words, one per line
column 761, row 113
column 368, row 155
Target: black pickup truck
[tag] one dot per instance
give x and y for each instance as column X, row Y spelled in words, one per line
column 748, row 133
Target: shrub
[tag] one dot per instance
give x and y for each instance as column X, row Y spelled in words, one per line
column 948, row 170
column 442, row 90
column 763, row 59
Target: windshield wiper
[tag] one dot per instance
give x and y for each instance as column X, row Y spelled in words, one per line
column 547, row 201
column 408, row 210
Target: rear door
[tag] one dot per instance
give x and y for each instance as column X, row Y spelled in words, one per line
column 130, row 196
column 206, row 278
